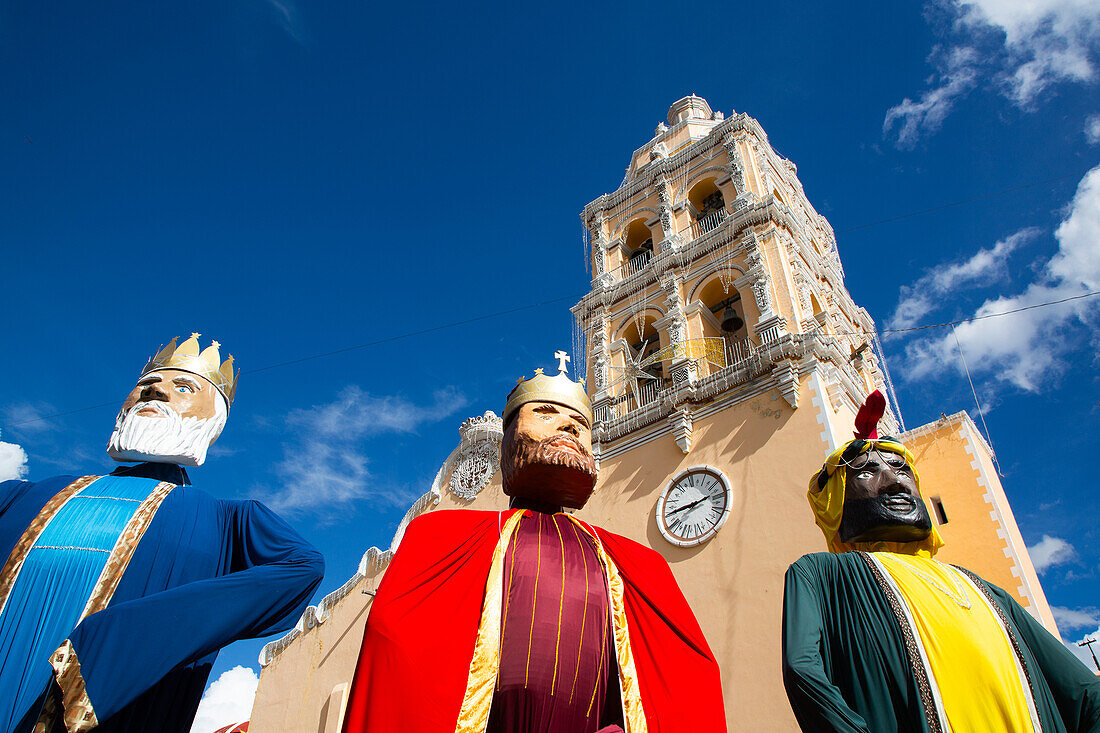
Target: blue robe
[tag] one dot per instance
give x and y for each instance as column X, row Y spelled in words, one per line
column 205, row 573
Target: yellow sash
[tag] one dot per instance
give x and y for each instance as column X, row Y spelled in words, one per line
column 978, row 681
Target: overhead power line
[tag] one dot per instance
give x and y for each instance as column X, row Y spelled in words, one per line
column 498, row 314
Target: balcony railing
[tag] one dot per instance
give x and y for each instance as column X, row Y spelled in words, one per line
column 647, row 393
column 634, row 265
column 704, row 224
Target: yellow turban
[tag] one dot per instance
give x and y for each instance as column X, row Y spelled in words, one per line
column 826, row 492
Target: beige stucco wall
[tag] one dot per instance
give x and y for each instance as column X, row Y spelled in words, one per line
column 734, row 583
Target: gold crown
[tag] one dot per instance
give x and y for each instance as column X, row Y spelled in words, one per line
column 559, row 389
column 208, row 364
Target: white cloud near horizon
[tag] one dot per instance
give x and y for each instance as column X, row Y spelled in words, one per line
column 1075, row 618
column 1082, row 652
column 227, row 701
column 983, row 268
column 325, row 468
column 1050, row 551
column 1021, row 48
column 1028, row 349
column 13, row 461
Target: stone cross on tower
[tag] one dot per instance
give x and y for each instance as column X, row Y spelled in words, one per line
column 563, row 359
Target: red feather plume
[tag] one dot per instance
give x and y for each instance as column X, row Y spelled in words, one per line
column 870, row 412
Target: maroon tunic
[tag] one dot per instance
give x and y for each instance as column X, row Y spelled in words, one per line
column 557, row 661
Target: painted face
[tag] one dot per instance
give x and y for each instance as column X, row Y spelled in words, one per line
column 881, row 500
column 186, row 394
column 171, row 416
column 546, row 455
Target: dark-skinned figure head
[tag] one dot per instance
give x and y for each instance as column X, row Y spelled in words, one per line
column 869, row 491
column 881, row 500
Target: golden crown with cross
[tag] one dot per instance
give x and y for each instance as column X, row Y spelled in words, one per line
column 206, row 363
column 558, row 389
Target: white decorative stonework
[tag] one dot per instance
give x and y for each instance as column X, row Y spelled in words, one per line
column 599, row 371
column 763, row 297
column 736, row 164
column 681, row 429
column 478, row 455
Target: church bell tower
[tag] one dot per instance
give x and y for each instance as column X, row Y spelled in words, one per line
column 725, row 361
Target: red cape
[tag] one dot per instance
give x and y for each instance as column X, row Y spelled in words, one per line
column 420, row 634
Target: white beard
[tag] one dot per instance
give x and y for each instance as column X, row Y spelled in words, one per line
column 168, row 439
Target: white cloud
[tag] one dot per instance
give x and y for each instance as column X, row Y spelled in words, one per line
column 1092, row 129
column 227, row 701
column 13, row 461
column 30, row 418
column 984, row 267
column 326, row 468
column 1027, row 349
column 1020, row 47
column 1075, row 618
column 957, row 74
column 1050, row 551
column 286, row 15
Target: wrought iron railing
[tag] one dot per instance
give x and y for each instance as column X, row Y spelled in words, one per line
column 704, row 224
column 632, row 266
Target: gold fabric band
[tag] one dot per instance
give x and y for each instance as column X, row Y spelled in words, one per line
column 78, row 714
column 473, row 716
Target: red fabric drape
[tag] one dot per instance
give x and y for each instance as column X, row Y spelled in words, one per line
column 420, row 634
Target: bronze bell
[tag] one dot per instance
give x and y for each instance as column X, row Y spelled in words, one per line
column 731, row 322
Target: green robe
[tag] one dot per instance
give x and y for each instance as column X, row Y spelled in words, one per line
column 846, row 666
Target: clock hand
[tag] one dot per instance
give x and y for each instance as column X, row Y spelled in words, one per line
column 697, row 502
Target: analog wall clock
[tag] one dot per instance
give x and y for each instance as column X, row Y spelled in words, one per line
column 694, row 506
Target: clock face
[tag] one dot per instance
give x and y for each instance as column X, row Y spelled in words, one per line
column 694, row 506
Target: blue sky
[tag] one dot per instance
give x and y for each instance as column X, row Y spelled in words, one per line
column 295, row 179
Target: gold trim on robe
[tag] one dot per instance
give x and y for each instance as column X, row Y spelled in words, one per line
column 78, row 714
column 18, row 555
column 629, row 690
column 124, row 548
column 473, row 716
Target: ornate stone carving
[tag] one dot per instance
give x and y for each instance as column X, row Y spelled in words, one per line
column 760, row 292
column 736, row 163
column 753, row 257
column 599, row 371
column 477, row 456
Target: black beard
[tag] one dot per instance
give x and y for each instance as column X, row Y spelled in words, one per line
column 873, row 520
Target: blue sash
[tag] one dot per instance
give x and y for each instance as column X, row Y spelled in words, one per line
column 55, row 582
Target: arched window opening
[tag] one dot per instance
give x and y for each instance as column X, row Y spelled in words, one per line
column 708, row 207
column 638, row 244
column 725, row 318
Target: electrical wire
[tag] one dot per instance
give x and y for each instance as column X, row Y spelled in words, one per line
column 498, row 314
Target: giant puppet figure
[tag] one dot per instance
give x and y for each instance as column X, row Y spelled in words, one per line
column 119, row 590
column 531, row 620
column 880, row 636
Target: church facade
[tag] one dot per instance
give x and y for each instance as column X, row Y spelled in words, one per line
column 725, row 360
